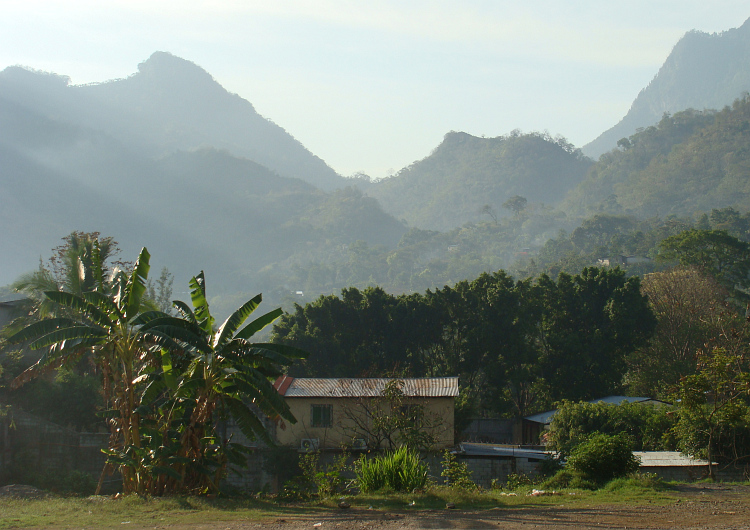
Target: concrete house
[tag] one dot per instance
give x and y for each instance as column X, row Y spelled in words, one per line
column 332, row 413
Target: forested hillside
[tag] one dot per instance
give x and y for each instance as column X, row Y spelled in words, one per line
column 203, row 208
column 451, row 186
column 703, row 71
column 688, row 163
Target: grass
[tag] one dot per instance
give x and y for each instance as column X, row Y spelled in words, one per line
column 103, row 512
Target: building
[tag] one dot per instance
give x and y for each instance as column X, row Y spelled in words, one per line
column 359, row 413
column 490, row 462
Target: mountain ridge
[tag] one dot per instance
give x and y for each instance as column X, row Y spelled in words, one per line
column 703, row 71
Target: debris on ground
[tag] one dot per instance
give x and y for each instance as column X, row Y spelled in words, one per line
column 21, row 491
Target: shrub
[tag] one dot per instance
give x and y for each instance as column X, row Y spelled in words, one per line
column 602, row 457
column 549, row 467
column 400, row 470
column 649, row 425
column 567, row 478
column 455, row 473
column 637, row 480
column 517, row 480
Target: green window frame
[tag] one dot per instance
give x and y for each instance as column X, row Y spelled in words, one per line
column 321, row 415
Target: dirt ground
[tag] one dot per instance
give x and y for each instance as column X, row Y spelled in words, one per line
column 696, row 506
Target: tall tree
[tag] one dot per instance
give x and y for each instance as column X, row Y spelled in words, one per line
column 691, row 311
column 590, row 323
column 714, row 252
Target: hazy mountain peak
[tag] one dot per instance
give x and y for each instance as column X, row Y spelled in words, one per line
column 703, row 71
column 24, row 74
column 179, row 76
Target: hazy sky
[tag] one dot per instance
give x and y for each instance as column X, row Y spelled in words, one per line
column 374, row 86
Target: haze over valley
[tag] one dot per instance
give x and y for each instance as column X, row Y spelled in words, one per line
column 169, row 159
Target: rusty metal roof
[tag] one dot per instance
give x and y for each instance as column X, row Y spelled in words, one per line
column 365, row 387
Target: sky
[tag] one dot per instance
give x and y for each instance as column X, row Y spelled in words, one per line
column 374, row 86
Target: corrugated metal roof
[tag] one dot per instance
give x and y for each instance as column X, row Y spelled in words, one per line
column 366, row 387
column 497, row 451
column 667, row 459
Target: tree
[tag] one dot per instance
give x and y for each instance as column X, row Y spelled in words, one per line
column 391, row 420
column 161, row 292
column 80, row 264
column 603, row 457
column 217, row 374
column 105, row 328
column 649, row 426
column 715, row 407
column 691, row 311
column 714, row 252
column 590, row 323
column 517, row 204
column 165, row 378
column 489, row 211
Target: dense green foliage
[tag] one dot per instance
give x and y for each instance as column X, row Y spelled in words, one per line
column 689, row 162
column 517, row 346
column 714, row 252
column 464, row 173
column 400, row 470
column 165, row 380
column 647, row 426
column 714, row 412
column 603, row 457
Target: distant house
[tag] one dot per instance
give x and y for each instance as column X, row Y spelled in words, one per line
column 622, row 260
column 533, row 426
column 332, row 413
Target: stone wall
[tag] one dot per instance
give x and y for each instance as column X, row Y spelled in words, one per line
column 485, row 470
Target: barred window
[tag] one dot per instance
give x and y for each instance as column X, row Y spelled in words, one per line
column 321, row 416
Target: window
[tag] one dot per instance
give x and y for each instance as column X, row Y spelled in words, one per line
column 321, row 416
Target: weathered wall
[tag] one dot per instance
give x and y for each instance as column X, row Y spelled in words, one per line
column 344, row 427
column 485, row 470
column 29, row 444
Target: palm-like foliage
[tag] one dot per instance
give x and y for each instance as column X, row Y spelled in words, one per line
column 102, row 325
column 166, row 380
column 218, row 374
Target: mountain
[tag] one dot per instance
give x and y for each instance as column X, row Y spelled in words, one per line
column 690, row 162
column 703, row 71
column 170, row 104
column 464, row 174
column 69, row 161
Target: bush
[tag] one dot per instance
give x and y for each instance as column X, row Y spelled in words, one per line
column 400, row 470
column 518, row 480
column 602, row 457
column 649, row 425
column 637, row 480
column 455, row 473
column 567, row 478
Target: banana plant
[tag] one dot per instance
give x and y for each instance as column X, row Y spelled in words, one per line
column 218, row 373
column 103, row 326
